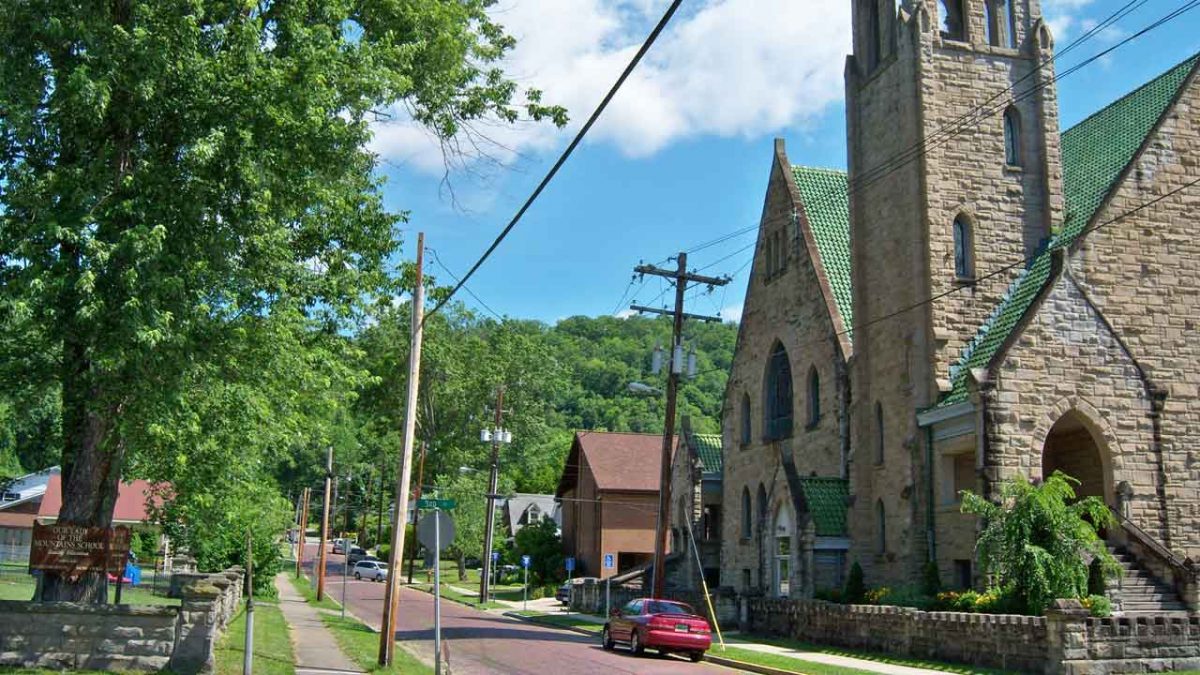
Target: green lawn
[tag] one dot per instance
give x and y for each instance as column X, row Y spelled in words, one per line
column 301, row 584
column 21, row 588
column 783, row 662
column 272, row 645
column 472, row 600
column 563, row 621
column 361, row 644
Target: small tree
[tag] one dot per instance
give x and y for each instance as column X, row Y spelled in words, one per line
column 931, row 582
column 541, row 542
column 856, row 587
column 1036, row 542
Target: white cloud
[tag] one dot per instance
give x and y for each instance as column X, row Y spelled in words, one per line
column 733, row 312
column 724, row 68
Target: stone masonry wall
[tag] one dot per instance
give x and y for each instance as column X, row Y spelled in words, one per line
column 69, row 635
column 1142, row 272
column 788, row 308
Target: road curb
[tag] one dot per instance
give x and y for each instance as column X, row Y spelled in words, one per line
column 709, row 657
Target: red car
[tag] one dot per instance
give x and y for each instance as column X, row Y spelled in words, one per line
column 664, row 625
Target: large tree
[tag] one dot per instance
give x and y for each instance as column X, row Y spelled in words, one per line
column 179, row 177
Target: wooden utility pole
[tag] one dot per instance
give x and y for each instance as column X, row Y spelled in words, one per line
column 303, row 530
column 485, row 581
column 391, row 598
column 321, row 553
column 681, row 278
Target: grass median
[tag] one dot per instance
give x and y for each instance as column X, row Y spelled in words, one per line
column 302, row 586
column 272, row 647
column 361, row 644
column 876, row 657
column 563, row 621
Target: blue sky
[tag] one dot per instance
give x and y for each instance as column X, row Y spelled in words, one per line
column 683, row 157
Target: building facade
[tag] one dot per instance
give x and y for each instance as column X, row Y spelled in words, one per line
column 978, row 296
column 696, row 510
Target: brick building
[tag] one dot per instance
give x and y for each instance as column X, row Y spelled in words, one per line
column 1064, row 276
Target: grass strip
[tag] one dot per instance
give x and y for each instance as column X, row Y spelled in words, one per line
column 879, row 657
column 782, row 662
column 310, row 595
column 272, row 646
column 21, row 588
column 361, row 644
column 563, row 621
column 449, row 593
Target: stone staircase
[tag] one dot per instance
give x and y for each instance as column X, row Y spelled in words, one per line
column 1136, row 591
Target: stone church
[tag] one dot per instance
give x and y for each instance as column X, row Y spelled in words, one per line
column 979, row 296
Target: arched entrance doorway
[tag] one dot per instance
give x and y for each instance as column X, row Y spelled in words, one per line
column 781, row 552
column 1071, row 448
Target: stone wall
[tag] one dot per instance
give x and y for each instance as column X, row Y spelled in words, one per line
column 1066, row 640
column 69, row 635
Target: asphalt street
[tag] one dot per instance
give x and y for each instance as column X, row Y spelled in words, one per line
column 483, row 642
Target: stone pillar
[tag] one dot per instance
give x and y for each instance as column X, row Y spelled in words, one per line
column 1066, row 635
column 196, row 632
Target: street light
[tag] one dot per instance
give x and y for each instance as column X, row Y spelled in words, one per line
column 643, row 388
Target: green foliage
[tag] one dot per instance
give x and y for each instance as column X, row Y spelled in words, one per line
column 1097, row 605
column 1096, row 581
column 542, row 543
column 856, row 588
column 1036, row 540
column 931, row 581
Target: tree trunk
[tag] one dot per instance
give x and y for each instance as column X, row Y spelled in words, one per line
column 462, row 566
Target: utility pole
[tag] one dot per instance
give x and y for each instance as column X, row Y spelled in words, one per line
column 324, row 525
column 303, row 530
column 391, row 599
column 412, row 559
column 681, row 277
column 498, row 436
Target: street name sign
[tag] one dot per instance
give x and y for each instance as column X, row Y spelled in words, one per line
column 443, row 504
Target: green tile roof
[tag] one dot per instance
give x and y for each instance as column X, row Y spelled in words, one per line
column 826, row 201
column 826, row 500
column 1094, row 153
column 708, row 446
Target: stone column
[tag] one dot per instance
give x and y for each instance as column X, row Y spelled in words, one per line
column 1066, row 635
column 196, row 632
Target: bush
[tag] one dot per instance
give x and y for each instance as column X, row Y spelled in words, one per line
column 856, row 588
column 1098, row 605
column 1095, row 582
column 829, row 595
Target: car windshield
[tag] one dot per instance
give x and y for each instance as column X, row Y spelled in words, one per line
column 657, row 607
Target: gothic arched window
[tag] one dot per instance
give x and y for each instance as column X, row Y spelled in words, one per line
column 878, row 433
column 746, row 421
column 880, row 527
column 874, row 35
column 1012, row 137
column 1010, row 20
column 995, row 27
column 814, row 397
column 964, row 267
column 762, row 505
column 778, row 395
column 953, row 24
column 747, row 514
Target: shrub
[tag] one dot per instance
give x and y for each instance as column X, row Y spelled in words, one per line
column 829, row 595
column 877, row 596
column 1036, row 539
column 1098, row 605
column 1095, row 582
column 931, row 582
column 856, row 588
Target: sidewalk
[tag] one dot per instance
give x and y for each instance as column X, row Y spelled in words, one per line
column 540, row 605
column 317, row 652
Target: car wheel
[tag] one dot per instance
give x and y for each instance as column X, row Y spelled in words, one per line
column 606, row 640
column 696, row 657
column 635, row 644
column 357, row 576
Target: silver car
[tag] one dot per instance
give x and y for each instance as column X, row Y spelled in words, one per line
column 375, row 570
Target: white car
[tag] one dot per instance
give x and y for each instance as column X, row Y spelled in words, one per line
column 375, row 570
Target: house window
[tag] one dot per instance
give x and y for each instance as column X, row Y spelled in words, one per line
column 534, row 516
column 953, row 26
column 878, row 433
column 874, row 35
column 762, row 505
column 963, row 264
column 746, row 422
column 1012, row 137
column 747, row 514
column 814, row 397
column 778, row 406
column 880, row 527
column 958, row 474
column 746, row 580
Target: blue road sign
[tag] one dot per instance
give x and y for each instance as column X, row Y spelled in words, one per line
column 610, row 561
column 495, row 556
column 570, row 563
column 525, row 561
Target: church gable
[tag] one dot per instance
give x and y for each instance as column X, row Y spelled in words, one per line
column 1095, row 153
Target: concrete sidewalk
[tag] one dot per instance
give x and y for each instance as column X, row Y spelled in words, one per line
column 317, row 652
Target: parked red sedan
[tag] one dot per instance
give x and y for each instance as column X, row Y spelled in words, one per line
column 664, row 625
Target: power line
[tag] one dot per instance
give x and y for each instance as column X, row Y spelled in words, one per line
column 662, row 23
column 466, row 288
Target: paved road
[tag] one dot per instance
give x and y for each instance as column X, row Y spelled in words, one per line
column 482, row 642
